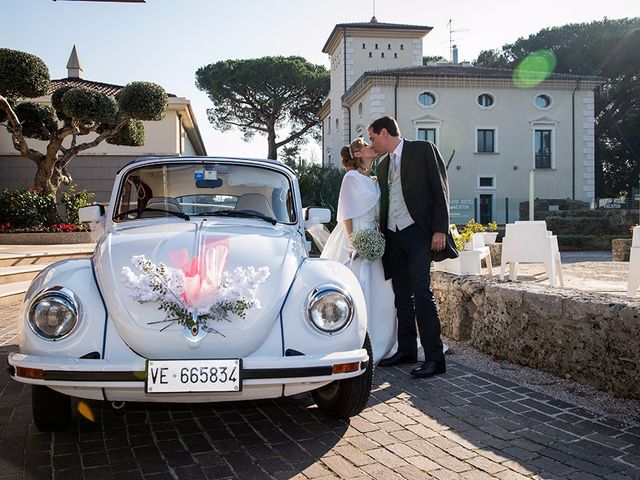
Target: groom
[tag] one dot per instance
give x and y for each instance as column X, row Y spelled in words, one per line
column 414, row 216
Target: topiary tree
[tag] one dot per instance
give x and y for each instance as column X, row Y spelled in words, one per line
column 76, row 112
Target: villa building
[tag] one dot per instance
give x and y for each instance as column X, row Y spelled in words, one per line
column 95, row 169
column 491, row 132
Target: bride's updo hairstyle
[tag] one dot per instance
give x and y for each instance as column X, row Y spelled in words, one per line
column 347, row 154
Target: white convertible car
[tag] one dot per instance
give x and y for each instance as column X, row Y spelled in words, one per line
column 200, row 289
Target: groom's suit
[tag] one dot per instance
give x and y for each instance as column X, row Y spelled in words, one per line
column 407, row 256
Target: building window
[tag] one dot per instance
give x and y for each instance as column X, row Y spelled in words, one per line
column 543, row 102
column 364, row 46
column 401, row 47
column 395, row 55
column 427, row 99
column 329, row 124
column 428, row 134
column 370, row 55
column 487, row 182
column 376, row 46
column 485, row 100
column 382, row 55
column 389, row 46
column 486, row 141
column 336, row 125
column 360, row 109
column 542, row 139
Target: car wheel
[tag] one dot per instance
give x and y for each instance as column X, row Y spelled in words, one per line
column 51, row 409
column 347, row 398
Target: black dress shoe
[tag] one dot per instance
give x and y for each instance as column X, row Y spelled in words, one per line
column 398, row 358
column 429, row 369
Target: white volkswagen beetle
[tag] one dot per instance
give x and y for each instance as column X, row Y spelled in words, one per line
column 200, row 289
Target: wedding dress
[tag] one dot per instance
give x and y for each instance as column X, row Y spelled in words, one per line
column 359, row 201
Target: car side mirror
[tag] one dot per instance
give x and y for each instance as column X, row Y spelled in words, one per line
column 91, row 214
column 316, row 215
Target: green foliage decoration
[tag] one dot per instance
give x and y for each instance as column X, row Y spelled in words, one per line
column 38, row 121
column 26, row 208
column 73, row 200
column 131, row 134
column 22, row 75
column 56, row 102
column 143, row 101
column 88, row 106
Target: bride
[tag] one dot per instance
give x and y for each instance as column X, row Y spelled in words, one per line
column 358, row 209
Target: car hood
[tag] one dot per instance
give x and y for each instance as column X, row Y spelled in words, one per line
column 140, row 325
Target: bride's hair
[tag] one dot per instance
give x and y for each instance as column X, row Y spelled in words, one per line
column 347, row 154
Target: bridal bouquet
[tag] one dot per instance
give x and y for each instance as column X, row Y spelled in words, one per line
column 196, row 292
column 369, row 244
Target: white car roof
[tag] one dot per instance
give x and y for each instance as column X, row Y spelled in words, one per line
column 263, row 162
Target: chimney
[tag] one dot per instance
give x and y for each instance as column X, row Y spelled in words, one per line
column 454, row 55
column 73, row 65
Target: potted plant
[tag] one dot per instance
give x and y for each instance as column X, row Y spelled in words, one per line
column 491, row 233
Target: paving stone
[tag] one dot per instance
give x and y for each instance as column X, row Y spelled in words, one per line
column 485, row 464
column 342, row 467
column 463, row 425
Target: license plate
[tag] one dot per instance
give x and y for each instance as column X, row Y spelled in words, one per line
column 172, row 376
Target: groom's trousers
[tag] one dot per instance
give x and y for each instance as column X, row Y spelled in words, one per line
column 409, row 256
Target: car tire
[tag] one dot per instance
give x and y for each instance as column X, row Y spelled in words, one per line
column 347, row 398
column 51, row 409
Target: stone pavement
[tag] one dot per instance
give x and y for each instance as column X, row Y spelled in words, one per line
column 465, row 424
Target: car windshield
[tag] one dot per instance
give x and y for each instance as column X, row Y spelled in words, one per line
column 184, row 190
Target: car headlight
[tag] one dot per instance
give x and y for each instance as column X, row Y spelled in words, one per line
column 54, row 313
column 329, row 308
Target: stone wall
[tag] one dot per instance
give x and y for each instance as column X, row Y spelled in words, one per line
column 620, row 249
column 591, row 338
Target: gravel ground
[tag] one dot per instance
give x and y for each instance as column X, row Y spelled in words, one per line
column 624, row 409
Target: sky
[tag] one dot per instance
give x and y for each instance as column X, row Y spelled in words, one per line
column 166, row 41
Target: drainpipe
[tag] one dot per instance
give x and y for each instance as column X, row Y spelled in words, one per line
column 395, row 97
column 180, row 138
column 573, row 142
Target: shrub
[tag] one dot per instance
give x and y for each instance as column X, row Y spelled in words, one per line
column 73, row 201
column 26, row 208
column 320, row 187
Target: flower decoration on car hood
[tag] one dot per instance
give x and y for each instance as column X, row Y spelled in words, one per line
column 197, row 292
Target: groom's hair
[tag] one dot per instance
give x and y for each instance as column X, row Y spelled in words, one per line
column 386, row 122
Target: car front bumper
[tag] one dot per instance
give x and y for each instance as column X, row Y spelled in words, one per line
column 262, row 377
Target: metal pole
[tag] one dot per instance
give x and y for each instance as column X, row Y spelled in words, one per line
column 531, row 193
column 506, row 210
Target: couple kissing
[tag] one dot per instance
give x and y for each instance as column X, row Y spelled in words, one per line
column 409, row 203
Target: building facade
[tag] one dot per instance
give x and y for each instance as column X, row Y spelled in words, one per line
column 492, row 133
column 95, row 169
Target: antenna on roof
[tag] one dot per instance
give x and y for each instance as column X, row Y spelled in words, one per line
column 374, row 19
column 453, row 50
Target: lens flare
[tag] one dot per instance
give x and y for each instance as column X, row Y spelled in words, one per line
column 534, row 69
column 85, row 411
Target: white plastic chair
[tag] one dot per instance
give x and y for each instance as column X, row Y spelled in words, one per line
column 634, row 264
column 484, row 252
column 470, row 260
column 530, row 242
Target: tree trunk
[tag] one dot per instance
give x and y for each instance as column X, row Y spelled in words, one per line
column 271, row 139
column 43, row 179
